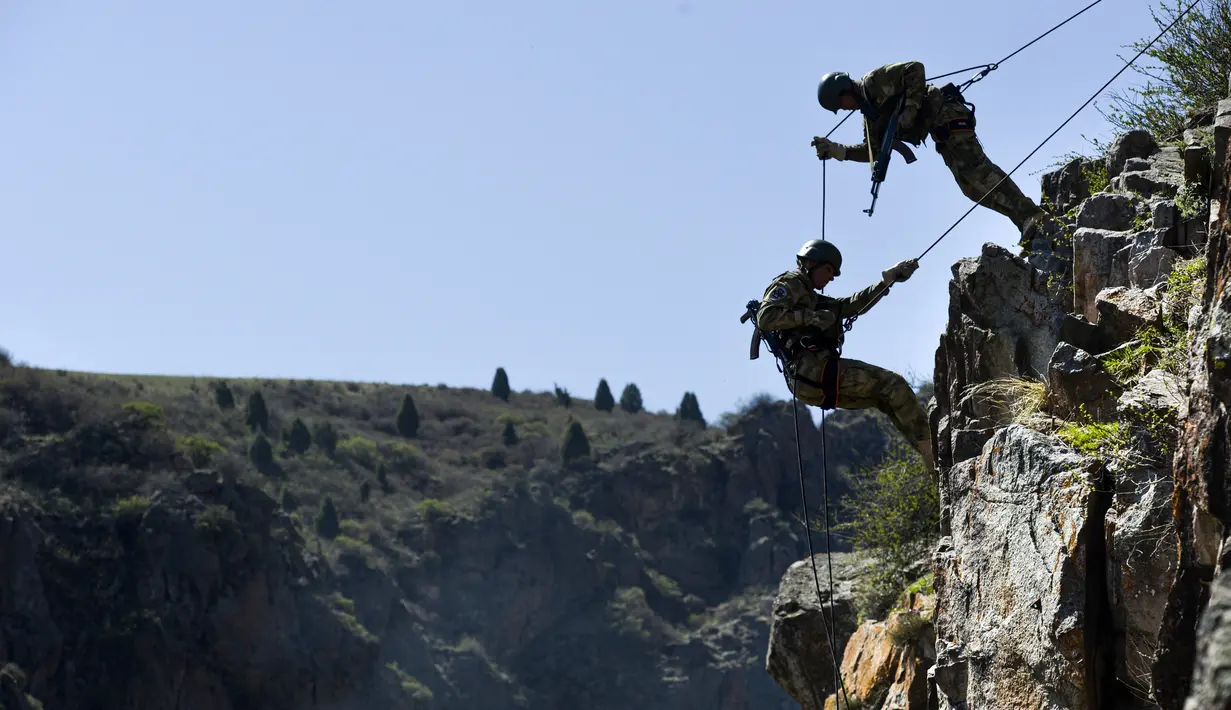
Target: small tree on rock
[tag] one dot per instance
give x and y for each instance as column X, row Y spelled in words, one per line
column 327, row 524
column 630, row 399
column 690, row 409
column 603, row 399
column 575, row 445
column 509, row 434
column 408, row 418
column 500, row 384
column 300, row 439
column 261, row 453
column 258, row 413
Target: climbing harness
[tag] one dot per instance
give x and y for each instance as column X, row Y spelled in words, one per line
column 962, row 124
column 881, row 163
column 772, row 338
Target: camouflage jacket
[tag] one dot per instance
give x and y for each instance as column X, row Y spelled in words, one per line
column 881, row 88
column 790, row 302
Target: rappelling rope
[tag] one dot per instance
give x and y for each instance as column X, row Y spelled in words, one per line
column 831, row 627
column 989, row 68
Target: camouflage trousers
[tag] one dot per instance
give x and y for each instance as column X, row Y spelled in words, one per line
column 863, row 386
column 975, row 174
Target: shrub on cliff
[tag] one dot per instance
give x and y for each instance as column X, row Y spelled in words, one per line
column 1190, row 70
column 895, row 516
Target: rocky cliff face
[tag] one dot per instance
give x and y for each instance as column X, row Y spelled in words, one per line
column 1080, row 426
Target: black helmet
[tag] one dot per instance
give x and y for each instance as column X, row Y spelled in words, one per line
column 822, row 251
column 831, row 89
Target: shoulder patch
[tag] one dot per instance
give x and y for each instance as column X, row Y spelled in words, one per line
column 778, row 293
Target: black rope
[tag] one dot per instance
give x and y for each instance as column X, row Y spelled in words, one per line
column 823, row 200
column 1037, row 149
column 1036, row 39
column 959, row 71
column 831, row 631
column 848, row 115
column 989, row 68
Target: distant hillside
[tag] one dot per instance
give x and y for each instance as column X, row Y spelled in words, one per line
column 156, row 547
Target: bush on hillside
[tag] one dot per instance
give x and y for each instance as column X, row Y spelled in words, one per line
column 200, row 450
column 327, row 524
column 6, row 358
column 326, row 437
column 574, row 446
column 223, row 396
column 563, row 398
column 604, row 401
column 630, row 399
column 300, row 439
column 408, row 418
column 509, row 435
column 261, row 453
column 257, row 414
column 500, row 384
column 689, row 409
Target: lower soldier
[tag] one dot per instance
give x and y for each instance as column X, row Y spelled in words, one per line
column 944, row 114
column 807, row 327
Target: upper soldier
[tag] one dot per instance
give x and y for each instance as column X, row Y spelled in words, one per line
column 809, row 331
column 941, row 112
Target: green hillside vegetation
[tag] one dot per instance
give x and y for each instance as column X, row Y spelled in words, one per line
column 465, row 439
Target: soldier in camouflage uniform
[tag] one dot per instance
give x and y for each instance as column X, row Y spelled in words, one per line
column 940, row 112
column 809, row 330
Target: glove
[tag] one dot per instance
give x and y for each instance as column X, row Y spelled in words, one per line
column 826, row 148
column 820, row 319
column 900, row 271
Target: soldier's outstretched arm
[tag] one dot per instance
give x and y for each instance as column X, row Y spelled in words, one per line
column 860, row 301
column 784, row 306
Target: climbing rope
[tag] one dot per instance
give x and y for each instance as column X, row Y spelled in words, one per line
column 989, row 68
column 831, row 627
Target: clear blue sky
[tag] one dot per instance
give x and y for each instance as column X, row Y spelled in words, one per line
column 421, row 192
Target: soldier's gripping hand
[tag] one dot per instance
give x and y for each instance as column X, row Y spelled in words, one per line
column 900, row 271
column 822, row 319
column 826, row 148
